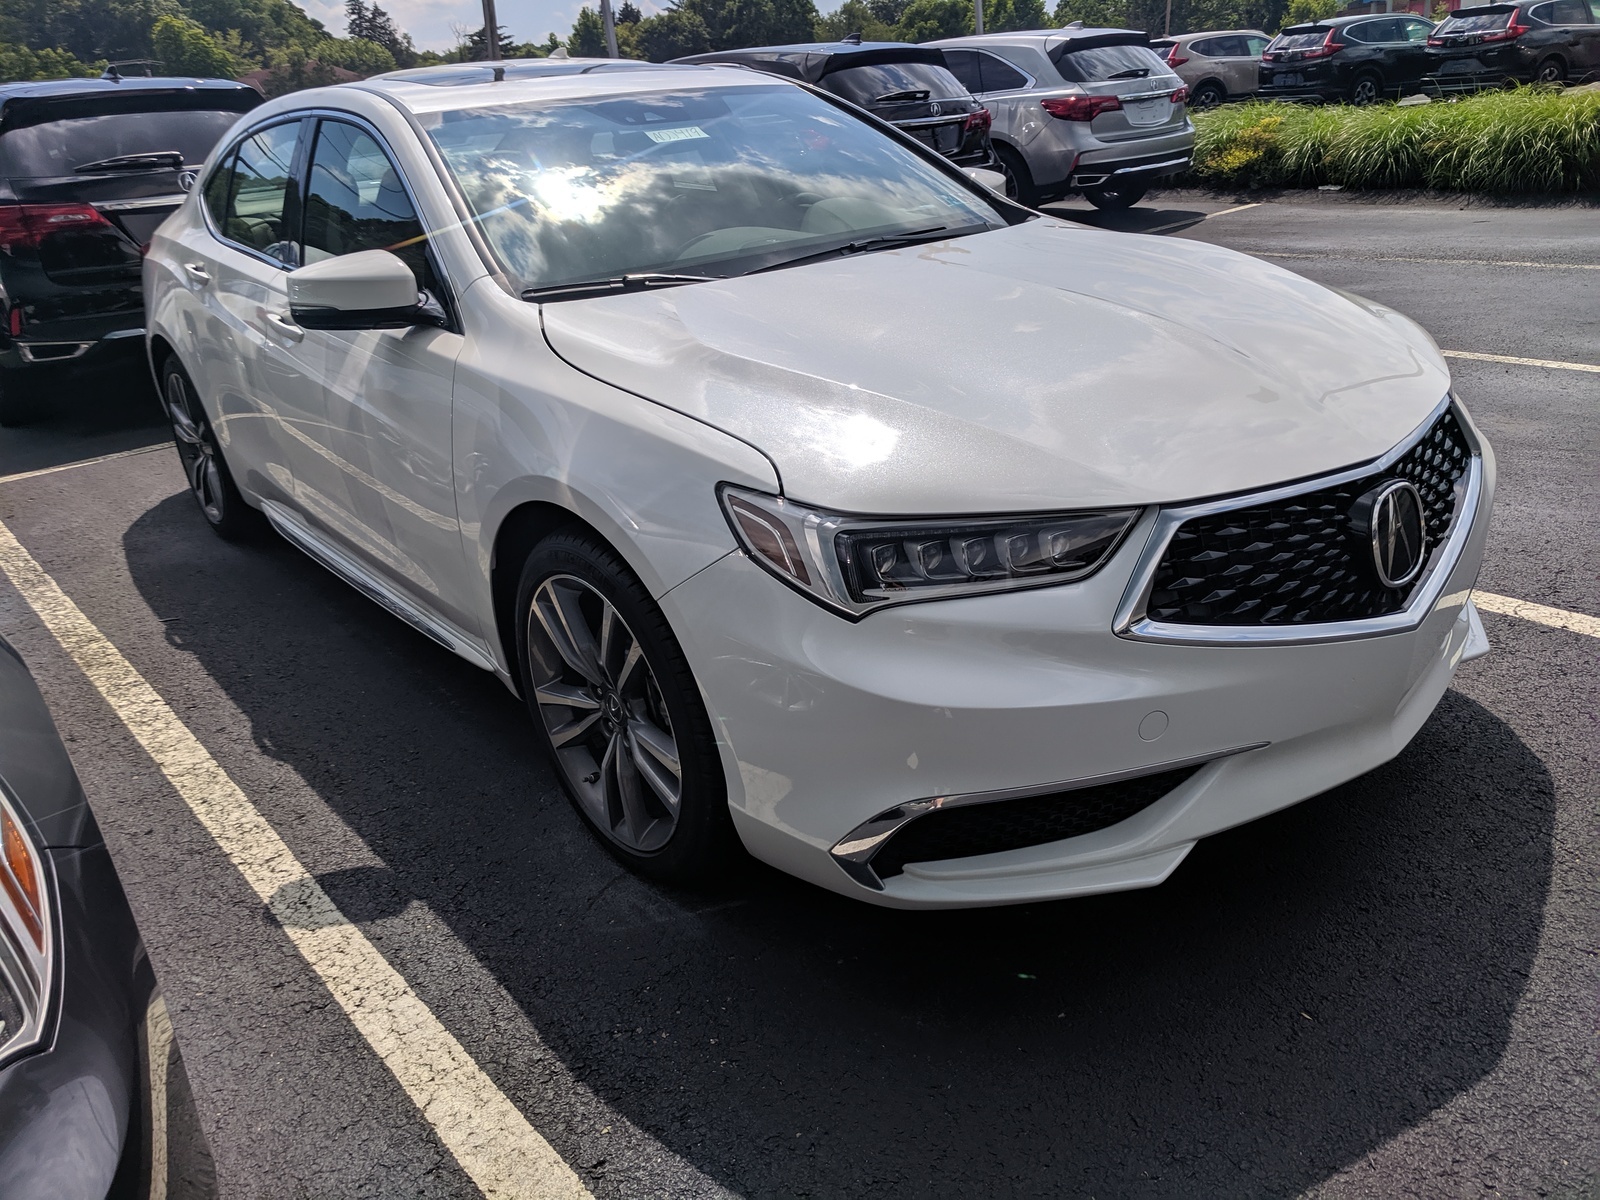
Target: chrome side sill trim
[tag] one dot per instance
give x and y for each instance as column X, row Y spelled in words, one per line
column 854, row 852
column 122, row 333
column 314, row 545
column 1132, row 623
column 172, row 201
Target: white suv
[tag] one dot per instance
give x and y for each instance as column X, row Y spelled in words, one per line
column 1095, row 111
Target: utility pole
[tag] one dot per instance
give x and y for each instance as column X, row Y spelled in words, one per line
column 611, row 28
column 1166, row 30
column 977, row 15
column 491, row 32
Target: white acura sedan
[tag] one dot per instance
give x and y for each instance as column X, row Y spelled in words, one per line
column 815, row 499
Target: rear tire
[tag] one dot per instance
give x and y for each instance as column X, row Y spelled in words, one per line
column 1367, row 89
column 210, row 482
column 1551, row 71
column 1114, row 199
column 616, row 707
column 1209, row 94
column 1019, row 180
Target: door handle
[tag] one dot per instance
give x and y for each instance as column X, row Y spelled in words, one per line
column 286, row 327
column 197, row 273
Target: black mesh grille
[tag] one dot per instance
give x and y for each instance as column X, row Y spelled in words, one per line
column 1296, row 562
column 1013, row 824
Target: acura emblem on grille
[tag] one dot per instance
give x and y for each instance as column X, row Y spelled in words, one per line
column 186, row 181
column 1392, row 516
column 935, row 109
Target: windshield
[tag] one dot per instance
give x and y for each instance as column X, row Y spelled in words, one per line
column 893, row 83
column 1474, row 23
column 719, row 182
column 59, row 147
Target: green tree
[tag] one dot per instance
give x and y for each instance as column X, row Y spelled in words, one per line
column 856, row 16
column 372, row 24
column 672, row 34
column 20, row 63
column 588, row 37
column 928, row 20
column 356, row 54
column 1003, row 16
column 1095, row 14
column 293, row 69
column 1301, row 12
column 629, row 13
column 184, row 48
column 264, row 25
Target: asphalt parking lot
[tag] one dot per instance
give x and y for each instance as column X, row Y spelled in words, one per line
column 1388, row 990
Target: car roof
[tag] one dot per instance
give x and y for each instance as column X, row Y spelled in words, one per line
column 475, row 86
column 1050, row 38
column 813, row 60
column 1341, row 22
column 1191, row 37
column 49, row 89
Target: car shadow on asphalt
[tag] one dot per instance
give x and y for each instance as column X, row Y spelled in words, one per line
column 1139, row 219
column 88, row 413
column 1300, row 991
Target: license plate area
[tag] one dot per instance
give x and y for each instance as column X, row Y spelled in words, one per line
column 1288, row 79
column 1147, row 112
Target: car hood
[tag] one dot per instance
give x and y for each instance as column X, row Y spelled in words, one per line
column 1041, row 366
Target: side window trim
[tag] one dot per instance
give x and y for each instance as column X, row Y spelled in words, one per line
column 318, row 118
column 292, row 198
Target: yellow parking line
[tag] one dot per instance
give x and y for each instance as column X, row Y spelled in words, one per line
column 494, row 1143
column 1552, row 363
column 1542, row 614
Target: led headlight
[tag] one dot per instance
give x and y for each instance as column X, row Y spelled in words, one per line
column 856, row 564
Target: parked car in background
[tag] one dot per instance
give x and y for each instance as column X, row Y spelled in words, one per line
column 908, row 86
column 1217, row 66
column 1356, row 60
column 88, row 169
column 1557, row 41
column 93, row 1097
column 1095, row 111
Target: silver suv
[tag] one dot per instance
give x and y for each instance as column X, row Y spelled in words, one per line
column 1095, row 111
column 1223, row 64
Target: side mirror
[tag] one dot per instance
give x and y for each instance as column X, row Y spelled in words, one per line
column 371, row 289
column 992, row 180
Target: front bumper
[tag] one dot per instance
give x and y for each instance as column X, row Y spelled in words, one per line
column 825, row 725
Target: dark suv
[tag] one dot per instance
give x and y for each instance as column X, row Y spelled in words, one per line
column 908, row 86
column 1557, row 41
column 1355, row 59
column 88, row 169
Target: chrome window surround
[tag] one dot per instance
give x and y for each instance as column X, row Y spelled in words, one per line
column 27, row 974
column 855, row 851
column 1132, row 623
column 224, row 160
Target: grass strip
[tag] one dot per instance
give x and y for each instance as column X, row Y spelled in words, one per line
column 1528, row 140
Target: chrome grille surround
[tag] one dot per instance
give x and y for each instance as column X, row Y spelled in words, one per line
column 1133, row 619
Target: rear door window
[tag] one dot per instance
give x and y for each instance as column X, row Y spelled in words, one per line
column 1225, row 47
column 66, row 138
column 1102, row 64
column 1256, row 45
column 963, row 65
column 1570, row 12
column 261, row 206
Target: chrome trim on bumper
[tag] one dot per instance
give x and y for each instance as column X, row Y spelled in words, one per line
column 144, row 202
column 1131, row 621
column 41, row 352
column 854, row 852
column 1168, row 166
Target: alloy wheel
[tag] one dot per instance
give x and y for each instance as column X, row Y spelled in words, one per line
column 197, row 450
column 603, row 709
column 1365, row 91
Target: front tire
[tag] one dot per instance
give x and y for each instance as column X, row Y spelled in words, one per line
column 1112, row 199
column 616, row 707
column 210, row 481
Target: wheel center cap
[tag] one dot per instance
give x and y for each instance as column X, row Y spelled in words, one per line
column 611, row 707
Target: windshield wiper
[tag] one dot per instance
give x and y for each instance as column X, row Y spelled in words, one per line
column 615, row 286
column 149, row 161
column 1130, row 73
column 909, row 94
column 888, row 241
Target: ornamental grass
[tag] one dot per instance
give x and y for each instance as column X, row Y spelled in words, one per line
column 1528, row 140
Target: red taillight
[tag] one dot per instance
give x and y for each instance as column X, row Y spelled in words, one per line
column 1181, row 96
column 14, row 320
column 1514, row 29
column 24, row 226
column 1328, row 47
column 1174, row 59
column 981, row 119
column 1080, row 108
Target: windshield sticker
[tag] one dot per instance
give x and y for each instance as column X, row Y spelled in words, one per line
column 682, row 134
